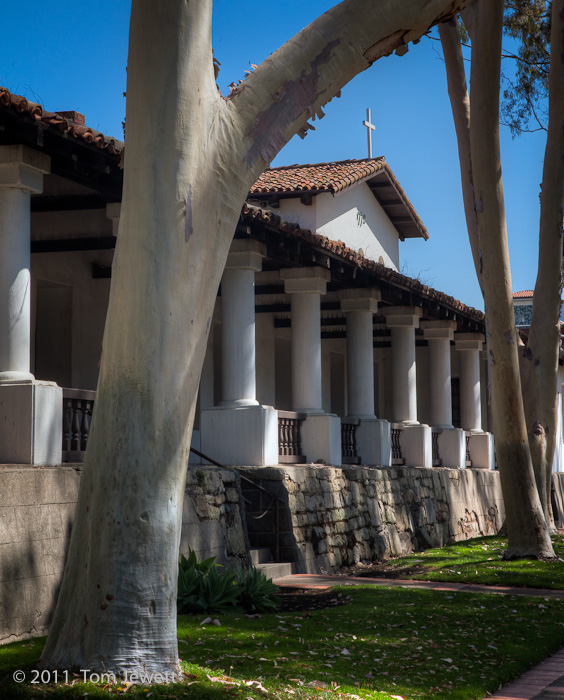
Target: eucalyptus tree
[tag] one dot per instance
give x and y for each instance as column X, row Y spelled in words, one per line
column 191, row 156
column 523, row 379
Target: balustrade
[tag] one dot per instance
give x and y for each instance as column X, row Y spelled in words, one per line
column 467, row 435
column 437, row 461
column 289, row 439
column 348, row 440
column 395, row 431
column 77, row 415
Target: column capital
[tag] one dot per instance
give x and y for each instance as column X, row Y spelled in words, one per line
column 363, row 299
column 113, row 212
column 402, row 316
column 246, row 255
column 438, row 329
column 23, row 168
column 469, row 341
column 305, row 279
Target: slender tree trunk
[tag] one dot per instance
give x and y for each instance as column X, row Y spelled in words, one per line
column 528, row 534
column 191, row 157
column 460, row 106
column 540, row 358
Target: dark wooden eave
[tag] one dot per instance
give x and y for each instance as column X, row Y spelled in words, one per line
column 71, row 158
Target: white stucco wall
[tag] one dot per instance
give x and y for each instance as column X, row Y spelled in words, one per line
column 337, row 218
column 88, row 306
column 301, row 214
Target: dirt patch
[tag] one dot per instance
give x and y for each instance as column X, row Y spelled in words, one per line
column 305, row 599
column 380, row 570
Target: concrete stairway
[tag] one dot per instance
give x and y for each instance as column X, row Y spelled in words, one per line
column 261, row 559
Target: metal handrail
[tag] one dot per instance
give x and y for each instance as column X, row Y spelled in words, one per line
column 274, row 498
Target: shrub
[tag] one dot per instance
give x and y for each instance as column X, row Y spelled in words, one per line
column 203, row 588
column 257, row 593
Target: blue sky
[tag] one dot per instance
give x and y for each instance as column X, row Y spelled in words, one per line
column 70, row 55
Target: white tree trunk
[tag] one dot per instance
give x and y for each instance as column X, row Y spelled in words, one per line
column 460, row 105
column 528, row 534
column 540, row 363
column 191, row 157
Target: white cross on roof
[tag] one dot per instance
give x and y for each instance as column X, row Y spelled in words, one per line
column 369, row 128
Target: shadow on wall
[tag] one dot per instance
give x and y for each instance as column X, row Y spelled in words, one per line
column 30, row 578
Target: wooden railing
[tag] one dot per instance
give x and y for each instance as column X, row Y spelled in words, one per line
column 77, row 414
column 348, row 440
column 289, row 438
column 468, row 458
column 437, row 461
column 397, row 457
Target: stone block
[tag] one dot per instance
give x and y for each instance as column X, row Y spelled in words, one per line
column 31, row 429
column 481, row 449
column 8, row 529
column 416, row 446
column 58, row 485
column 17, row 487
column 452, row 448
column 321, row 438
column 247, row 435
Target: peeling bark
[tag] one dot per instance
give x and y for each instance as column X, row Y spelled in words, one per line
column 528, row 534
column 191, row 159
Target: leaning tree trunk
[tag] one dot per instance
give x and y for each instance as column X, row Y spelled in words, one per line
column 527, row 531
column 191, row 157
column 540, row 360
column 460, row 106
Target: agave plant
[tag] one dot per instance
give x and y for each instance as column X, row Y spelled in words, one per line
column 257, row 593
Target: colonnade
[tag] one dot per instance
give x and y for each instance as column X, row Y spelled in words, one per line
column 30, row 410
column 237, row 419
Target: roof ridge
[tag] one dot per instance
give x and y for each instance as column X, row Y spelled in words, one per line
column 329, row 162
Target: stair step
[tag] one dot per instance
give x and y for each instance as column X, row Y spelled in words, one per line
column 260, row 556
column 275, row 569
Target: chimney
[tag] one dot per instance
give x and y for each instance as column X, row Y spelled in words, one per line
column 74, row 117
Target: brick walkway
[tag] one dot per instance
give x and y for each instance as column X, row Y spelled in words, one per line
column 543, row 682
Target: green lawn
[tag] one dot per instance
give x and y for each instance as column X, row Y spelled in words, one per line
column 387, row 642
column 479, row 560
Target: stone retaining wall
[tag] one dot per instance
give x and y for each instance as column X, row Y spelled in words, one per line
column 37, row 507
column 339, row 516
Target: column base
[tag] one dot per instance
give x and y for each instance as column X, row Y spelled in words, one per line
column 321, row 439
column 416, row 445
column 16, row 378
column 481, row 449
column 374, row 442
column 31, row 423
column 452, row 448
column 246, row 436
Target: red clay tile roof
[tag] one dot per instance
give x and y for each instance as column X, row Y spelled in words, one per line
column 252, row 213
column 321, row 177
column 335, row 177
column 526, row 294
column 59, row 121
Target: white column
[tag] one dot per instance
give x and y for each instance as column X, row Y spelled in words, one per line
column 373, row 436
column 320, row 432
column 21, row 173
column 30, row 410
column 403, row 320
column 306, row 285
column 238, row 323
column 360, row 306
column 469, row 346
column 439, row 335
column 240, row 431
